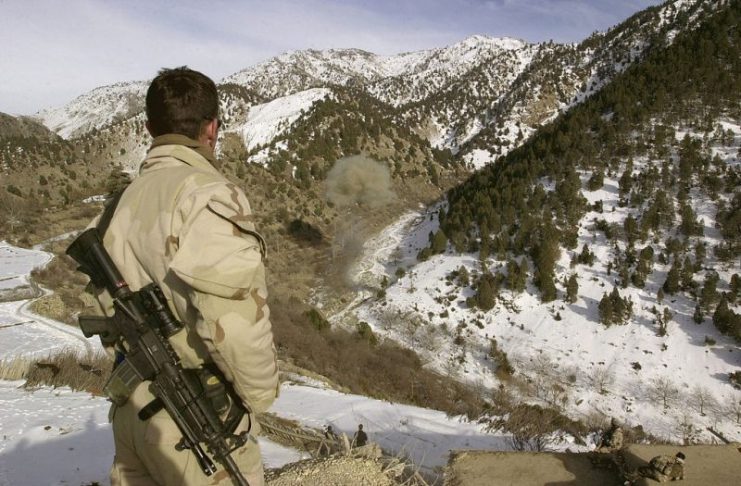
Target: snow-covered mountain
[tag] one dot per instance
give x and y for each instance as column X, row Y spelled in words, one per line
column 482, row 96
column 398, row 79
column 96, row 109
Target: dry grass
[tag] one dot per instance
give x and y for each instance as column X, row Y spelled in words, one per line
column 14, row 369
column 82, row 372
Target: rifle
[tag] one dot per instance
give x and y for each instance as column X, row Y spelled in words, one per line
column 144, row 321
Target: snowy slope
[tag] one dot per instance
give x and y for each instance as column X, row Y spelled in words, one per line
column 23, row 333
column 268, row 121
column 96, row 109
column 562, row 355
column 16, row 263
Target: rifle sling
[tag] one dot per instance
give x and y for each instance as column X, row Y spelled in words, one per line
column 110, row 208
column 150, row 409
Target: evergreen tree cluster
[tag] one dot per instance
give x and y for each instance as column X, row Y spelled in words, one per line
column 614, row 309
column 352, row 122
column 530, row 202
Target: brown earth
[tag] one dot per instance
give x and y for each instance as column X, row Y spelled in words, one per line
column 704, row 466
column 334, row 471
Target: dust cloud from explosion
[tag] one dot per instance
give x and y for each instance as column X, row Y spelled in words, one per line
column 360, row 180
column 355, row 183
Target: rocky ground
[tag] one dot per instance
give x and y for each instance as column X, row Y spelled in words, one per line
column 334, row 471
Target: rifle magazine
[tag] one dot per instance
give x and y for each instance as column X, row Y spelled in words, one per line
column 122, row 383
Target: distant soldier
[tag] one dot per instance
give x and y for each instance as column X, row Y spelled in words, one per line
column 330, row 434
column 612, row 439
column 361, row 438
column 665, row 468
column 330, row 441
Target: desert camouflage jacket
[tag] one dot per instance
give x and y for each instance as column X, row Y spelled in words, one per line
column 183, row 226
column 668, row 466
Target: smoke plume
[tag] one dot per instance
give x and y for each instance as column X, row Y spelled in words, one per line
column 358, row 179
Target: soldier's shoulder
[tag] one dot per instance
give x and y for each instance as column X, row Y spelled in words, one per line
column 212, row 186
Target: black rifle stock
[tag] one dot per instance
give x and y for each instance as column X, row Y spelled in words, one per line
column 143, row 320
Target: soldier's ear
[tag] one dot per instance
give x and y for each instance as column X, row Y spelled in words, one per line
column 210, row 133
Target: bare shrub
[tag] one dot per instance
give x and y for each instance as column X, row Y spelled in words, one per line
column 663, row 390
column 541, row 367
column 602, row 378
column 687, row 431
column 570, row 376
column 595, row 421
column 532, row 427
column 733, row 407
column 504, row 368
column 428, row 338
column 14, row 211
column 702, row 400
column 556, row 395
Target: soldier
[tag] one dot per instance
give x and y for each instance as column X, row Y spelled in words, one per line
column 329, row 444
column 665, row 468
column 361, row 438
column 330, row 434
column 612, row 439
column 181, row 225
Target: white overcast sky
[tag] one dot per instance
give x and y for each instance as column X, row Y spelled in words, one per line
column 55, row 50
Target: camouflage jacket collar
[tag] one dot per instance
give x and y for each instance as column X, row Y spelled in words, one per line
column 182, row 148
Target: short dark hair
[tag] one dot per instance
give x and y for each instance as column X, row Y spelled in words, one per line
column 181, row 101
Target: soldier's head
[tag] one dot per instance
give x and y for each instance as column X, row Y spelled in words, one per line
column 680, row 456
column 185, row 102
column 360, row 426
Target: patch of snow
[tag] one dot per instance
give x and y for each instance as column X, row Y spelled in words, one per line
column 268, row 121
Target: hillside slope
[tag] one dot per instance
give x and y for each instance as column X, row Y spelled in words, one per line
column 596, row 268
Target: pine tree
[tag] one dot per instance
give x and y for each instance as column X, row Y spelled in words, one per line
column 630, row 227
column 735, row 286
column 687, row 274
column 700, row 254
column 698, row 316
column 666, row 318
column 709, row 293
column 605, row 310
column 586, row 257
column 596, row 181
column 439, row 242
column 727, row 321
column 572, row 289
column 671, row 284
column 517, row 275
column 485, row 293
